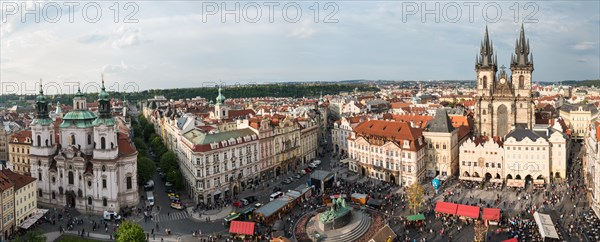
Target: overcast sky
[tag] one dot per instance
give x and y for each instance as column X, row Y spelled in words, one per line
column 186, row 44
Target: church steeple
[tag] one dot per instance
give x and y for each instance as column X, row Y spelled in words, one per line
column 522, row 56
column 103, row 102
column 41, row 103
column 486, row 52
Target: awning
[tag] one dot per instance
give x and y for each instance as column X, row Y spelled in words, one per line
column 217, row 192
column 468, row 211
column 39, row 213
column 416, row 217
column 445, row 207
column 545, row 225
column 511, row 240
column 491, row 214
column 345, row 160
column 241, row 227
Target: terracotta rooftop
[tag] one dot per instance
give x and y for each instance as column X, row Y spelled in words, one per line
column 21, row 137
column 391, row 130
column 5, row 182
column 17, row 179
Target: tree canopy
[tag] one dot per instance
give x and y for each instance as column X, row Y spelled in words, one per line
column 130, row 232
column 415, row 197
column 145, row 169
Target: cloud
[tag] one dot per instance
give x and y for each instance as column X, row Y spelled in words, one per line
column 92, row 38
column 127, row 37
column 305, row 30
column 585, row 60
column 115, row 68
column 585, row 45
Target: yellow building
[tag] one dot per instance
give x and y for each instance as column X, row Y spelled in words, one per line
column 578, row 117
column 7, row 211
column 18, row 151
column 25, row 202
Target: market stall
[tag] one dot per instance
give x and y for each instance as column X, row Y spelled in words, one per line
column 467, row 212
column 446, row 207
column 545, row 226
column 241, row 229
column 491, row 216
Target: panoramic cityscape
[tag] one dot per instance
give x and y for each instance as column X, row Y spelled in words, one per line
column 299, row 121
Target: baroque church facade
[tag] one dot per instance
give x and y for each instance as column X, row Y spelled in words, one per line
column 503, row 103
column 84, row 160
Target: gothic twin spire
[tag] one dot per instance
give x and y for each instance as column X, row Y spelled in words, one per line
column 521, row 57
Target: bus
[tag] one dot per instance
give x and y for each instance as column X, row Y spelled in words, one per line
column 231, row 217
column 276, row 195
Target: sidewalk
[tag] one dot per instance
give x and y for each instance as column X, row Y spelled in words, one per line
column 53, row 236
column 212, row 215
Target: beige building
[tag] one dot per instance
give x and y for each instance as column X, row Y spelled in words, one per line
column 7, row 211
column 25, row 195
column 387, row 151
column 18, row 151
column 443, row 142
column 578, row 117
column 218, row 165
column 286, row 141
column 341, row 130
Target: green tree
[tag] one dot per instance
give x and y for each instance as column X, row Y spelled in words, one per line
column 415, row 197
column 175, row 177
column 168, row 161
column 130, row 232
column 31, row 236
column 145, row 169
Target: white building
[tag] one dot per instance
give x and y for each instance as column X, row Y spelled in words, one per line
column 592, row 165
column 341, row 130
column 87, row 162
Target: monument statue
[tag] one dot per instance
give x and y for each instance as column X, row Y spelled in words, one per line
column 338, row 209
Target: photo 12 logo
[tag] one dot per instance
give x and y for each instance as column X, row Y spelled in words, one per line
column 54, row 12
column 453, row 12
column 50, row 87
column 254, row 12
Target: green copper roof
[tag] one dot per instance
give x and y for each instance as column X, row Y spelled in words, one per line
column 198, row 137
column 103, row 96
column 79, row 94
column 43, row 121
column 220, row 98
column 105, row 121
column 78, row 118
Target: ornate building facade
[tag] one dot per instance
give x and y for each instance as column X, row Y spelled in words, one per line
column 87, row 162
column 503, row 102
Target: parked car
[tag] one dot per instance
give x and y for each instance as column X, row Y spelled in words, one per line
column 110, row 215
column 177, row 205
column 317, row 162
column 168, row 184
column 238, row 204
column 251, row 199
column 258, row 205
column 149, row 185
column 297, row 176
column 287, row 181
column 244, row 201
column 307, row 170
column 312, row 165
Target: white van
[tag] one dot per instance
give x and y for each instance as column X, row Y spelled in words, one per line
column 109, row 215
column 150, row 196
column 276, row 195
column 317, row 162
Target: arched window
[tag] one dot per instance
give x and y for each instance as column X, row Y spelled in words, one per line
column 46, row 142
column 89, row 200
column 89, row 139
column 485, row 82
column 53, row 195
column 71, row 178
column 73, row 139
column 39, row 141
column 484, row 112
column 104, row 202
column 102, row 143
column 112, row 145
column 103, row 168
column 521, row 82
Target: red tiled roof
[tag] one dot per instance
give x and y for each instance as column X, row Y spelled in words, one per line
column 396, row 131
column 241, row 113
column 17, row 179
column 125, row 146
column 5, row 182
column 21, row 137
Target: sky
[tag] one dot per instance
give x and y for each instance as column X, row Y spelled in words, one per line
column 159, row 44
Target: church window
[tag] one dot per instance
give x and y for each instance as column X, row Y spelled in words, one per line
column 521, row 82
column 53, row 195
column 89, row 200
column 104, row 202
column 89, row 139
column 520, row 105
column 46, row 142
column 102, row 143
column 112, row 145
column 485, row 82
column 71, row 178
column 129, row 184
column 89, row 183
column 484, row 112
column 103, row 168
column 39, row 176
column 39, row 141
column 104, row 183
column 40, row 192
